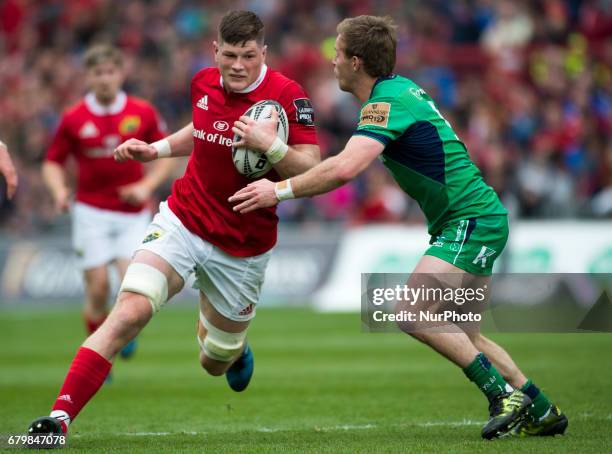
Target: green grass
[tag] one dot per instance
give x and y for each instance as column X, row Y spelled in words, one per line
column 320, row 385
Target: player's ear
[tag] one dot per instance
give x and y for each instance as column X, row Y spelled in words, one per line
column 216, row 50
column 264, row 50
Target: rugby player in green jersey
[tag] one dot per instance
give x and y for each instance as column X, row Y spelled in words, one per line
column 401, row 125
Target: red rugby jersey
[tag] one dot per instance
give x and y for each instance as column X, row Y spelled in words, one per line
column 199, row 198
column 90, row 132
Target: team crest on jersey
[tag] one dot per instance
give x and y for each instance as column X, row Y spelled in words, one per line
column 129, row 125
column 152, row 236
column 88, row 130
column 221, row 125
column 375, row 114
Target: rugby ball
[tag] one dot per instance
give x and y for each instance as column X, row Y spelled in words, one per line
column 248, row 162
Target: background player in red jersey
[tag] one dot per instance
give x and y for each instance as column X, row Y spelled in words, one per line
column 196, row 230
column 109, row 215
column 7, row 169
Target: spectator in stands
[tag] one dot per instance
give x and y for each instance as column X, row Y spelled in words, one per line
column 496, row 67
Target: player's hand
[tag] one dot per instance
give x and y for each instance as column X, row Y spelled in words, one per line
column 135, row 193
column 256, row 135
column 135, row 149
column 61, row 201
column 10, row 174
column 259, row 194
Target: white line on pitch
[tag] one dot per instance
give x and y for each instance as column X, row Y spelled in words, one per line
column 340, row 427
column 343, row 427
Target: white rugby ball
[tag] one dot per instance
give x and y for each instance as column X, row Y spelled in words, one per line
column 248, row 162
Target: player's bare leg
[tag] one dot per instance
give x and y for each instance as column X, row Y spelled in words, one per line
column 131, row 312
column 500, row 359
column 121, row 264
column 452, row 343
column 507, row 407
column 227, row 352
column 157, row 281
column 97, row 290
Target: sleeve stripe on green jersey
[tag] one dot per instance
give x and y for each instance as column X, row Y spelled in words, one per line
column 381, row 138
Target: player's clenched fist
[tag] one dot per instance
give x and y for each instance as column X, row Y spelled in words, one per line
column 135, row 149
column 258, row 137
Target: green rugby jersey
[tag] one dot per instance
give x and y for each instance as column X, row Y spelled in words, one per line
column 424, row 155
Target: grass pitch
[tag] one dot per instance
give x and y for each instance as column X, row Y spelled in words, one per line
column 320, row 385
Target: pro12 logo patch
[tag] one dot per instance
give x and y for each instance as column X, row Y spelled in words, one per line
column 304, row 113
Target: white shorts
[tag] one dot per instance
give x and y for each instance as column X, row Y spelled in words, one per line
column 101, row 236
column 232, row 284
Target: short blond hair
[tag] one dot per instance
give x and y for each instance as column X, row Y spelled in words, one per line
column 102, row 52
column 373, row 39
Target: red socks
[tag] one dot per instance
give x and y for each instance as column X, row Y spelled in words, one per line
column 85, row 377
column 93, row 325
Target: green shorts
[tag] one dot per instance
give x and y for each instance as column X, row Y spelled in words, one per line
column 471, row 244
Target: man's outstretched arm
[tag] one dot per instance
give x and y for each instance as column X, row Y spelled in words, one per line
column 178, row 144
column 330, row 174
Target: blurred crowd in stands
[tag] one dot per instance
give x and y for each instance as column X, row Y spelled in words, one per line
column 527, row 85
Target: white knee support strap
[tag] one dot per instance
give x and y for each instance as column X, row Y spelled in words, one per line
column 220, row 345
column 147, row 281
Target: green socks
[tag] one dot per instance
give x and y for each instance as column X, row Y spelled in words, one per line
column 486, row 377
column 539, row 400
column 491, row 383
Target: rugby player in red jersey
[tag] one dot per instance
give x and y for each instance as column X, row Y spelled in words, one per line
column 109, row 215
column 196, row 230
